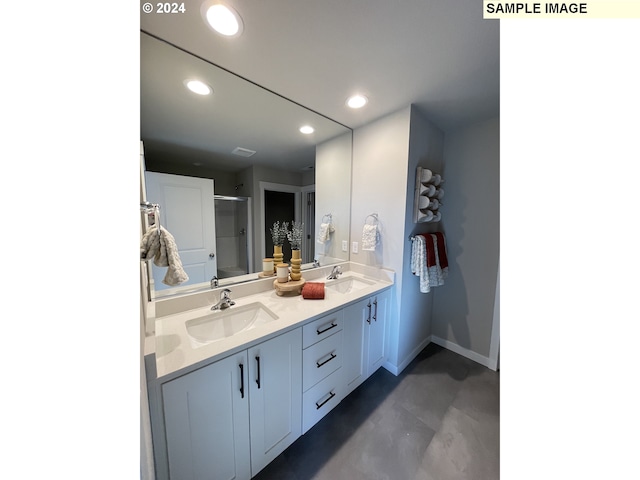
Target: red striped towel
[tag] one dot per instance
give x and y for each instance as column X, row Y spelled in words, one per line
column 431, row 251
column 442, row 250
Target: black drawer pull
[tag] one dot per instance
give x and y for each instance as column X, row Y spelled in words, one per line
column 320, row 332
column 333, row 355
column 330, row 397
column 258, row 379
column 241, row 380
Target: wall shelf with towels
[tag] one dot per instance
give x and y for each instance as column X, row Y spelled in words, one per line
column 428, row 195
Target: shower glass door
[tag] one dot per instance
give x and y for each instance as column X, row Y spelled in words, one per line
column 233, row 220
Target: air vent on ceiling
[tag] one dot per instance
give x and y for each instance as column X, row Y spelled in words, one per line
column 243, row 152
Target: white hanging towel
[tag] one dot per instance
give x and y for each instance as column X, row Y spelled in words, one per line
column 369, row 237
column 419, row 262
column 324, row 234
column 163, row 250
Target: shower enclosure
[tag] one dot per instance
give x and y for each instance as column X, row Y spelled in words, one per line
column 233, row 231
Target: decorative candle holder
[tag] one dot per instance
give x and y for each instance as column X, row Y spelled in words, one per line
column 282, row 271
column 296, row 261
column 268, row 268
column 278, row 256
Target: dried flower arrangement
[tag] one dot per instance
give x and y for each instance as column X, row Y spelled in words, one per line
column 295, row 235
column 279, row 232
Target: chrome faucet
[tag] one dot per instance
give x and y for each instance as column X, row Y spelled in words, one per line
column 225, row 300
column 214, row 282
column 316, row 263
column 335, row 272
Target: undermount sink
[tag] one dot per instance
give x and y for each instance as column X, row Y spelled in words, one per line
column 348, row 284
column 225, row 323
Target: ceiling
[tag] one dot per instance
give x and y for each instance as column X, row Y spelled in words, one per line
column 439, row 55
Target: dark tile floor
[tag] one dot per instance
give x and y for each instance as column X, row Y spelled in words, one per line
column 438, row 420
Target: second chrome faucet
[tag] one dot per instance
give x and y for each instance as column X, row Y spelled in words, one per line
column 225, row 300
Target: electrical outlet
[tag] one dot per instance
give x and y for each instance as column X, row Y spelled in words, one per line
column 354, row 247
column 345, row 246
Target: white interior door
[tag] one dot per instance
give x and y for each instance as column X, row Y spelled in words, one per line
column 187, row 212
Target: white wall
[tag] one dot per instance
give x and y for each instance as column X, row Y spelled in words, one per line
column 379, row 183
column 385, row 156
column 426, row 145
column 333, row 179
column 463, row 309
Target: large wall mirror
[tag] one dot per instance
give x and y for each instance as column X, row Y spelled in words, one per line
column 235, row 158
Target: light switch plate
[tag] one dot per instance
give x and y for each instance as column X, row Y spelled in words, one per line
column 354, row 247
column 345, row 246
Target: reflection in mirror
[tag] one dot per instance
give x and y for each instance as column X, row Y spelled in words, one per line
column 242, row 146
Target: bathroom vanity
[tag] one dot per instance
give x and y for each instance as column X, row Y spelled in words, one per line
column 230, row 390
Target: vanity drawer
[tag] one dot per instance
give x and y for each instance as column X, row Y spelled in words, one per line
column 321, row 328
column 321, row 359
column 321, row 398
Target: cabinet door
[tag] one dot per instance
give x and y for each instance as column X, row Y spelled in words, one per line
column 353, row 329
column 377, row 329
column 207, row 422
column 275, row 386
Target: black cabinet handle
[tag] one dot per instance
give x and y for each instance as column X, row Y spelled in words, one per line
column 333, row 325
column 333, row 355
column 369, row 315
column 375, row 313
column 241, row 380
column 330, row 397
column 258, row 379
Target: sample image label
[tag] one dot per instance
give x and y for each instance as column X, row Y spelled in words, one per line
column 584, row 9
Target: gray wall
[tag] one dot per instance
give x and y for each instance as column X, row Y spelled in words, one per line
column 463, row 308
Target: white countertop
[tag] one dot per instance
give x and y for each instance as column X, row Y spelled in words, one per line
column 175, row 354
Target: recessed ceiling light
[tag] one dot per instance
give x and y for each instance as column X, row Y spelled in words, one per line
column 306, row 129
column 196, row 86
column 222, row 18
column 357, row 101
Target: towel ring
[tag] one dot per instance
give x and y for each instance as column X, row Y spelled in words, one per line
column 325, row 216
column 375, row 219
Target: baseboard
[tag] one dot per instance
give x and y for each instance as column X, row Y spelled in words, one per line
column 397, row 369
column 454, row 347
column 465, row 352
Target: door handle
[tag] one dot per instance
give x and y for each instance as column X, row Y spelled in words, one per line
column 369, row 315
column 211, row 255
column 375, row 313
column 241, row 380
column 258, row 379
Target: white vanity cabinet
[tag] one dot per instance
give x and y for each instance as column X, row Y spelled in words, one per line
column 207, row 421
column 231, row 418
column 275, row 392
column 322, row 357
column 364, row 338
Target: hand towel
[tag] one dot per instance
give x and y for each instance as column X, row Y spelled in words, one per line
column 419, row 262
column 369, row 237
column 163, row 250
column 324, row 234
column 313, row 291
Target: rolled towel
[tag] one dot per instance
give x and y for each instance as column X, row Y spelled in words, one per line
column 313, row 291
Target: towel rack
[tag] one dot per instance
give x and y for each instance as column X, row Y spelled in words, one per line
column 428, row 194
column 147, row 206
column 325, row 216
column 375, row 218
column 152, row 208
